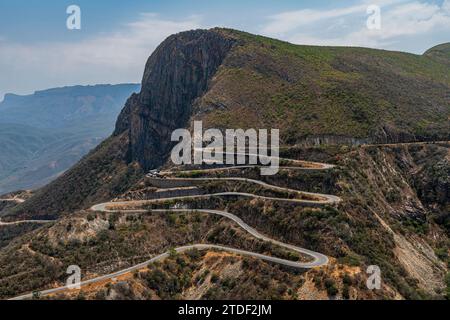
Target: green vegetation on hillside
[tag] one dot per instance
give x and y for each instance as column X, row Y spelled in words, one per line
column 341, row 92
column 44, row 134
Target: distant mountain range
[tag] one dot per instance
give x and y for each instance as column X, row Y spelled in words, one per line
column 314, row 95
column 45, row 133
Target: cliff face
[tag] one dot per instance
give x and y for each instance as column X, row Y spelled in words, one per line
column 231, row 79
column 314, row 95
column 176, row 74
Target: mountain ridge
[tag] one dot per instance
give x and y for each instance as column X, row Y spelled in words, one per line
column 232, row 79
column 441, row 52
column 45, row 133
column 326, row 101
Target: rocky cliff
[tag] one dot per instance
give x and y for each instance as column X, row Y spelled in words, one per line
column 231, row 79
column 176, row 74
column 394, row 212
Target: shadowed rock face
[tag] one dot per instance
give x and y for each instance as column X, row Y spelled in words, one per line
column 175, row 75
column 230, row 79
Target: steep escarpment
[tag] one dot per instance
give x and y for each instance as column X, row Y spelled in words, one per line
column 381, row 221
column 176, row 74
column 382, row 185
column 394, row 208
column 231, row 79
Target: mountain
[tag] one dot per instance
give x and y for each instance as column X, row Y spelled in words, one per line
column 45, row 133
column 231, row 79
column 376, row 115
column 440, row 53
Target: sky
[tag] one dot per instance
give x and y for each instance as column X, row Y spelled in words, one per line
column 38, row 51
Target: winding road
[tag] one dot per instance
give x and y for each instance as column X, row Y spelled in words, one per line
column 18, row 200
column 24, row 222
column 317, row 259
column 321, row 199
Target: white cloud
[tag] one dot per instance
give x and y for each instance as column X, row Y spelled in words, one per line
column 107, row 58
column 446, row 6
column 284, row 22
column 409, row 25
column 403, row 23
column 287, row 21
column 414, row 18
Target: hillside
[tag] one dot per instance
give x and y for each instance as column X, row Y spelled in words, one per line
column 336, row 94
column 440, row 53
column 366, row 203
column 387, row 220
column 233, row 79
column 45, row 133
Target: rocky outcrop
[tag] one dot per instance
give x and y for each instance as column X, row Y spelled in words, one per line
column 176, row 74
column 230, row 79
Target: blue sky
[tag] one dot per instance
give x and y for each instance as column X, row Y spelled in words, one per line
column 37, row 51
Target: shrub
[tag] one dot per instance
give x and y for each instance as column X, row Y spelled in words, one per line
column 347, row 279
column 215, row 278
column 330, row 285
column 346, row 292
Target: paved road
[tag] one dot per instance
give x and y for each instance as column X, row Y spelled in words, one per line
column 311, row 168
column 403, row 144
column 322, row 199
column 219, row 194
column 378, row 144
column 24, row 221
column 304, row 164
column 17, row 200
column 162, row 257
column 317, row 259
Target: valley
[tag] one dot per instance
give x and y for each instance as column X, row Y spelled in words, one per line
column 44, row 134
